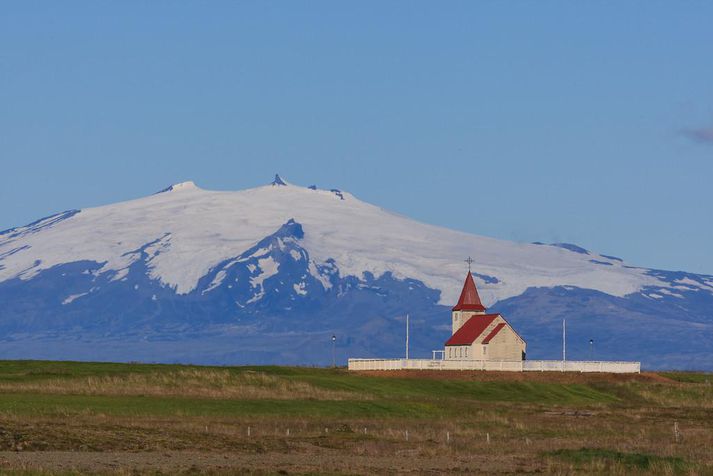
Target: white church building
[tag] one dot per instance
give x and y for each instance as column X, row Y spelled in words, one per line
column 478, row 335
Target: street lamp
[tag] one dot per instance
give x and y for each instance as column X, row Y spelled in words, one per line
column 334, row 351
column 591, row 349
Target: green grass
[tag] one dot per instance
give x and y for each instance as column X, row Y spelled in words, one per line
column 51, row 404
column 387, row 397
column 640, row 461
column 689, row 377
column 525, row 392
column 400, row 397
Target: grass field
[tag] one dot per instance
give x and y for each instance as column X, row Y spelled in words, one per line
column 89, row 418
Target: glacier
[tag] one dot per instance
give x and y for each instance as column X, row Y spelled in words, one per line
column 267, row 275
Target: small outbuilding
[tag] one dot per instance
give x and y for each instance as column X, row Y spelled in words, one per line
column 478, row 335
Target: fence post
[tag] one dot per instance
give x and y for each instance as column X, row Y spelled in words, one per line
column 676, row 432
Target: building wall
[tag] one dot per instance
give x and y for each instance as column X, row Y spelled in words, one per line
column 458, row 352
column 461, row 317
column 506, row 345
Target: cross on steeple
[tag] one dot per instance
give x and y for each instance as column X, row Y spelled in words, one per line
column 469, row 261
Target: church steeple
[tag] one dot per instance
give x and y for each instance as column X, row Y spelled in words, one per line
column 469, row 298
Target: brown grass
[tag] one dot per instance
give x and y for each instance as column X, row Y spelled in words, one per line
column 679, row 394
column 191, row 382
column 522, row 438
column 484, row 437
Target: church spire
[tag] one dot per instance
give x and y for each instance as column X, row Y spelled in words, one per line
column 469, row 299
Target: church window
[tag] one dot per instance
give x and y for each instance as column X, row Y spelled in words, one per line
column 485, row 349
column 466, row 352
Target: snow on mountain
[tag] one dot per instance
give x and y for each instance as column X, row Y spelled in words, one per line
column 189, row 185
column 190, row 275
column 192, row 230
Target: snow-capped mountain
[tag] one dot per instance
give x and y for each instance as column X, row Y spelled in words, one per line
column 269, row 274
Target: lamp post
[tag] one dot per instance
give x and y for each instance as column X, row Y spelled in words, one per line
column 591, row 349
column 406, row 336
column 334, row 351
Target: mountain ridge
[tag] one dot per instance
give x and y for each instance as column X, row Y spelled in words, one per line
column 306, row 261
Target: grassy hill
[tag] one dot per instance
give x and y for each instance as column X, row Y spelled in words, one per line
column 107, row 417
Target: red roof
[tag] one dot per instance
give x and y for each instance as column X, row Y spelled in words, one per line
column 493, row 333
column 472, row 329
column 469, row 299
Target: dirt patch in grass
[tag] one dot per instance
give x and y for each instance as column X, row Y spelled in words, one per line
column 544, row 377
column 325, row 462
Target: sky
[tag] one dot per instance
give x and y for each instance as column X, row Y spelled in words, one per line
column 581, row 122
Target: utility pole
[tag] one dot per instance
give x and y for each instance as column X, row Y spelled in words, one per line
column 564, row 340
column 406, row 336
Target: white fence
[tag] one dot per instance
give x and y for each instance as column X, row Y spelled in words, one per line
column 508, row 366
column 582, row 366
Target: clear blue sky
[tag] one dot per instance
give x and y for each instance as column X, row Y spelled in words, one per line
column 585, row 122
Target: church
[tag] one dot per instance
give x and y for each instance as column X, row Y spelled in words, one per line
column 485, row 341
column 478, row 335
